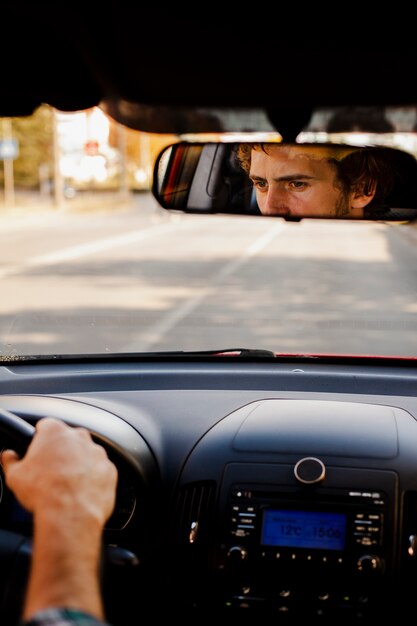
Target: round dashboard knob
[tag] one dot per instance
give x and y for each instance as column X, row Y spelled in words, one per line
column 310, row 470
column 369, row 564
column 237, row 554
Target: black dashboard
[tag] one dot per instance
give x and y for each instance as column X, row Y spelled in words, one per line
column 278, row 488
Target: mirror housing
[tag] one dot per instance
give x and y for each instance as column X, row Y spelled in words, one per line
column 292, row 181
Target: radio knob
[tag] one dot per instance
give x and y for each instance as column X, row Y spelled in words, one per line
column 370, row 564
column 237, row 554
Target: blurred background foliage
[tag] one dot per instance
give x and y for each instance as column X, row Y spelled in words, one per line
column 134, row 154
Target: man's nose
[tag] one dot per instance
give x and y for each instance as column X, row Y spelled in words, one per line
column 275, row 202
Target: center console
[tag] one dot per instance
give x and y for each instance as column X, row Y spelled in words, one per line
column 316, row 548
column 302, row 509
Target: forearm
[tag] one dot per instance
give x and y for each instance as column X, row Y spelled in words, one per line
column 65, row 565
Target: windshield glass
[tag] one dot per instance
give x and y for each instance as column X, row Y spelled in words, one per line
column 91, row 264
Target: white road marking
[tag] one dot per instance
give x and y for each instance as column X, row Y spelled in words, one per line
column 86, row 249
column 165, row 326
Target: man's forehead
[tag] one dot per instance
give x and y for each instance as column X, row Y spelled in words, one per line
column 279, row 152
column 294, row 163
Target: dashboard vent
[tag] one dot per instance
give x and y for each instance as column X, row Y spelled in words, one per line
column 193, row 532
column 194, row 513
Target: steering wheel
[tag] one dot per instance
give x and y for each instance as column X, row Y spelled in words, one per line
column 15, row 549
column 17, row 429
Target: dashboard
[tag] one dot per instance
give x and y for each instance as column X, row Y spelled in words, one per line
column 277, row 488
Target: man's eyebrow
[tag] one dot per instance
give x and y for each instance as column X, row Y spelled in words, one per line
column 288, row 177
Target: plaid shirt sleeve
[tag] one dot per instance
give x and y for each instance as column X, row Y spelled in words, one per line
column 62, row 617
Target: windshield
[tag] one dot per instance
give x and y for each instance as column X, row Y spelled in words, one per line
column 91, row 264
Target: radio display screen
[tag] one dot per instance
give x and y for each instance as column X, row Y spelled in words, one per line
column 318, row 530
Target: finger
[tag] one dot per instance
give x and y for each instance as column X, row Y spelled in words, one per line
column 49, row 423
column 84, row 433
column 8, row 458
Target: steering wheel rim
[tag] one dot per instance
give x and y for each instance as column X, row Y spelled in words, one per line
column 15, row 549
column 18, row 429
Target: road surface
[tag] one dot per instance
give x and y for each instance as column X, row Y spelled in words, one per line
column 138, row 278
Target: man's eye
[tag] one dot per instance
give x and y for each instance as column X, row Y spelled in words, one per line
column 261, row 185
column 298, row 185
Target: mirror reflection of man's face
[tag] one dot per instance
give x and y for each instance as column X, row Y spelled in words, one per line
column 292, row 181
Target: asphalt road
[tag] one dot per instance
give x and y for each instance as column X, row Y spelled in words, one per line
column 137, row 278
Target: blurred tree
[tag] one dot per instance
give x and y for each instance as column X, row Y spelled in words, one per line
column 34, row 136
column 34, row 165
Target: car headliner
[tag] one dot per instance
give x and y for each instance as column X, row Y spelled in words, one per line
column 131, row 55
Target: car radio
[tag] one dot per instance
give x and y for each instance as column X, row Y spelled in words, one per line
column 338, row 530
column 325, row 548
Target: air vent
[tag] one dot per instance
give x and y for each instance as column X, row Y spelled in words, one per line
column 193, row 531
column 409, row 539
column 192, row 543
column 194, row 513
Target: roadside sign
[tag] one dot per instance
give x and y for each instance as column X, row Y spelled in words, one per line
column 9, row 149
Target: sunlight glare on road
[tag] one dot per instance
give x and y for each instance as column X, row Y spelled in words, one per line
column 339, row 240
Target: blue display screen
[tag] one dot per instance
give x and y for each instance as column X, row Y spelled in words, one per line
column 304, row 529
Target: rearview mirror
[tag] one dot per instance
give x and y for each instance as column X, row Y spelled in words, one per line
column 293, row 181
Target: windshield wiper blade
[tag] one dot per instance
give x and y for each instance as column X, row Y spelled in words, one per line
column 239, row 352
column 244, row 353
column 228, row 352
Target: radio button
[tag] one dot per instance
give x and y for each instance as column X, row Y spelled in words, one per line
column 366, row 541
column 246, row 518
column 241, row 532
